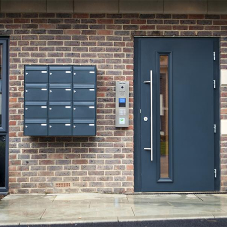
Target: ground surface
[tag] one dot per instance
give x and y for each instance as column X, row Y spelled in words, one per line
column 100, row 210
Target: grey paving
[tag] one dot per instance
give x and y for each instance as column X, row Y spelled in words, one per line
column 94, row 208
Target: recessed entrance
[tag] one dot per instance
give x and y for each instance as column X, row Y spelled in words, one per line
column 175, row 116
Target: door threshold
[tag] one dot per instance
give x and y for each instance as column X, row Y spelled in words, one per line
column 175, row 193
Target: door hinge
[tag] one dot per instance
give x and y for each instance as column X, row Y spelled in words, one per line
column 214, row 81
column 214, row 55
column 215, row 128
column 215, row 173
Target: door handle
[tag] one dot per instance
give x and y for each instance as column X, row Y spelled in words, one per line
column 151, row 148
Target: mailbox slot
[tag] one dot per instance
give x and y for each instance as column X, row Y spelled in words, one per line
column 35, row 127
column 36, row 92
column 84, row 92
column 60, row 92
column 36, row 74
column 84, row 75
column 84, row 127
column 60, row 110
column 35, row 110
column 83, row 110
column 59, row 127
column 60, row 74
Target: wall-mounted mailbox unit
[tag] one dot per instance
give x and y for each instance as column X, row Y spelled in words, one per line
column 60, row 100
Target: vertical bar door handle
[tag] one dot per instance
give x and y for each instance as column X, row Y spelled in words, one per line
column 151, row 79
column 151, row 148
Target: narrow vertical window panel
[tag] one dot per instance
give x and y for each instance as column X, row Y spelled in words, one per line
column 164, row 116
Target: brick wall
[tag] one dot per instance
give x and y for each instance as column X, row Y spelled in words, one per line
column 90, row 164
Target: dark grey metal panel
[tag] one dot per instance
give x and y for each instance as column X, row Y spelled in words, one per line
column 60, row 94
column 36, row 86
column 36, row 68
column 35, row 127
column 60, row 110
column 217, row 116
column 60, row 68
column 35, row 74
column 83, row 110
column 59, row 127
column 84, row 129
column 60, row 103
column 35, row 110
column 60, row 74
column 61, row 86
column 83, row 103
column 35, row 121
column 37, row 103
column 84, row 94
column 81, row 121
column 84, row 68
column 137, row 115
column 83, row 85
column 60, row 121
column 193, row 114
column 84, row 76
column 36, row 92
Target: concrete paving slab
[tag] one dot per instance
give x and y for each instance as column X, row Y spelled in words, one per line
column 87, row 196
column 94, row 207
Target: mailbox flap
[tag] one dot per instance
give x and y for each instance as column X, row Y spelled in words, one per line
column 84, row 68
column 83, row 86
column 36, row 68
column 60, row 68
column 35, row 103
column 35, row 121
column 83, row 103
column 36, row 86
column 84, row 121
column 60, row 121
column 60, row 103
column 66, row 86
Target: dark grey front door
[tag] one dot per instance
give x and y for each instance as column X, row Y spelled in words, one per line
column 174, row 114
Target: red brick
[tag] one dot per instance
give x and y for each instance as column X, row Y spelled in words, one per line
column 105, row 40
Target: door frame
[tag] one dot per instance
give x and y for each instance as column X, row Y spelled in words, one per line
column 4, row 131
column 137, row 115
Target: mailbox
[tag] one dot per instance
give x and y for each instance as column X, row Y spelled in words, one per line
column 35, row 127
column 60, row 127
column 83, row 92
column 36, row 92
column 60, row 110
column 60, row 92
column 84, row 75
column 36, row 74
column 36, row 110
column 84, row 127
column 60, row 74
column 83, row 110
column 60, row 100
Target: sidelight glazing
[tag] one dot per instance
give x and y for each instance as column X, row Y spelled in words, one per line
column 164, row 116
